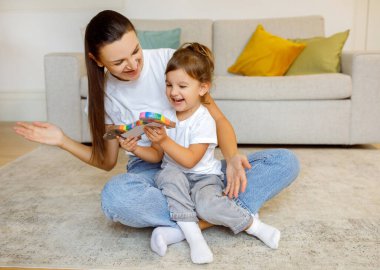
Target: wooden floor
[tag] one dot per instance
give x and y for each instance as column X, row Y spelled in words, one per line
column 12, row 145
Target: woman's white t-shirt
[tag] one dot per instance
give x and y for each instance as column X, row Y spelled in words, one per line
column 125, row 100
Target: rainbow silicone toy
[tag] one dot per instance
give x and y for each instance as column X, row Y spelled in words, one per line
column 157, row 118
column 129, row 127
column 146, row 118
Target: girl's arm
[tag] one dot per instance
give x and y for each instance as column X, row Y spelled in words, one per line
column 50, row 134
column 236, row 163
column 186, row 157
column 150, row 154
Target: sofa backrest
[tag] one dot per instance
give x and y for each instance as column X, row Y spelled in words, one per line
column 191, row 30
column 231, row 36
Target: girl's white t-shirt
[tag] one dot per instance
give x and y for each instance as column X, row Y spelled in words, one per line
column 125, row 100
column 198, row 128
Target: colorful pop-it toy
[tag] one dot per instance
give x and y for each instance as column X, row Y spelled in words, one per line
column 137, row 128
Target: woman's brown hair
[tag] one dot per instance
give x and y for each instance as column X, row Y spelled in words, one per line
column 196, row 60
column 105, row 28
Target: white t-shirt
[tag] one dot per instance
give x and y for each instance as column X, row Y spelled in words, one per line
column 198, row 128
column 125, row 100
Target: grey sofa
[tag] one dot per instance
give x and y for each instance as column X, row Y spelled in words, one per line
column 341, row 109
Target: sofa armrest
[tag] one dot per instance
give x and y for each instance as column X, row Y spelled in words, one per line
column 364, row 69
column 62, row 85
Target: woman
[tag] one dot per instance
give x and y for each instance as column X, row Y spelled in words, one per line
column 135, row 82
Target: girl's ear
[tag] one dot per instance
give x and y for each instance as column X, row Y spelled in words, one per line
column 92, row 57
column 205, row 87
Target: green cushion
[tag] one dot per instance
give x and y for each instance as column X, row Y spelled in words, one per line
column 321, row 55
column 159, row 39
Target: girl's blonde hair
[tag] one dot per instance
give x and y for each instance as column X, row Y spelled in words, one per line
column 196, row 60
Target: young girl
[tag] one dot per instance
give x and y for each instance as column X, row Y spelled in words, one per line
column 191, row 178
column 124, row 80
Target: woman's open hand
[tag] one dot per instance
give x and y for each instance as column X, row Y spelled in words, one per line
column 40, row 132
column 236, row 177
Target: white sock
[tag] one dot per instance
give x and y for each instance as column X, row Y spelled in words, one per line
column 164, row 236
column 266, row 233
column 200, row 252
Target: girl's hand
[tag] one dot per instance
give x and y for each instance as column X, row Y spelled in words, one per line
column 129, row 144
column 156, row 134
column 40, row 132
column 236, row 177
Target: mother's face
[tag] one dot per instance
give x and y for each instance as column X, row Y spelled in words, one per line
column 123, row 58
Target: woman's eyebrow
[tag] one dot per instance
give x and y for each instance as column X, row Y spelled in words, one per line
column 118, row 60
column 122, row 59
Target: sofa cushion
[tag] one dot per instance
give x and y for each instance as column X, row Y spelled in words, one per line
column 159, row 39
column 307, row 87
column 321, row 55
column 231, row 36
column 191, row 30
column 266, row 55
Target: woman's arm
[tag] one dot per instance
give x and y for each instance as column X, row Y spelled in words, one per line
column 50, row 134
column 236, row 178
column 226, row 134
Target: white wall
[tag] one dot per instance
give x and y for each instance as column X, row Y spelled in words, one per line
column 29, row 29
column 338, row 14
column 373, row 32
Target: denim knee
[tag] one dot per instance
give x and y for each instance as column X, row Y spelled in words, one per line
column 132, row 200
column 289, row 162
column 109, row 198
column 117, row 197
column 283, row 161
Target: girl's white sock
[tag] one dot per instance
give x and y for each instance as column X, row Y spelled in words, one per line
column 266, row 233
column 164, row 236
column 200, row 252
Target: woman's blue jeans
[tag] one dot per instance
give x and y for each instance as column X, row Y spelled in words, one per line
column 133, row 198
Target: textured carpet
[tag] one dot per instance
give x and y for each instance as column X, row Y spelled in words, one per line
column 329, row 218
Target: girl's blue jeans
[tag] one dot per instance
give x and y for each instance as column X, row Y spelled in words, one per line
column 133, row 199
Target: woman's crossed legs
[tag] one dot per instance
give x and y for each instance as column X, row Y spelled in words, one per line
column 133, row 198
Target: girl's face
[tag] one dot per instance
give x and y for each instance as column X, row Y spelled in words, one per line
column 123, row 58
column 184, row 92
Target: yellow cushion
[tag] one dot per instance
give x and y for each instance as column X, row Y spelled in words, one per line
column 266, row 55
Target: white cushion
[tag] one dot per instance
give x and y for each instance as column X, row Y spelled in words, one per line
column 307, row 87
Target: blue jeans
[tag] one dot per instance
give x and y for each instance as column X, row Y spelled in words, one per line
column 133, row 198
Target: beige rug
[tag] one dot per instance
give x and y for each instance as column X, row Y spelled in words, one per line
column 329, row 218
